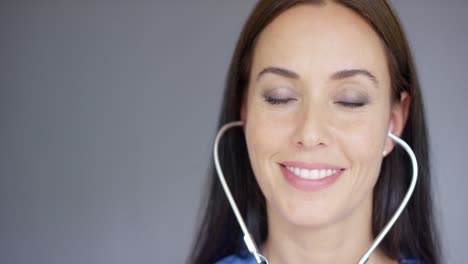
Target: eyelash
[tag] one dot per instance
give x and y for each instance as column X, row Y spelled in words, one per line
column 351, row 104
column 276, row 101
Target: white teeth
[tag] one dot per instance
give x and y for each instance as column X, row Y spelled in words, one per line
column 322, row 173
column 297, row 171
column 311, row 174
column 314, row 174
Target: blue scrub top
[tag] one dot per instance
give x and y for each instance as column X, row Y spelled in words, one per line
column 249, row 259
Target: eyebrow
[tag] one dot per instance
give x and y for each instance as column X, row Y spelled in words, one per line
column 343, row 74
column 279, row 71
column 339, row 75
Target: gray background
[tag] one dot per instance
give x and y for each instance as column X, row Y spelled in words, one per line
column 108, row 111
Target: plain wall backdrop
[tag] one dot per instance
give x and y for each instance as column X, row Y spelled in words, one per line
column 108, row 112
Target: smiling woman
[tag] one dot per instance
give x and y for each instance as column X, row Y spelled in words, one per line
column 317, row 86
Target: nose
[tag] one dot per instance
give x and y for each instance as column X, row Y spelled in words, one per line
column 311, row 129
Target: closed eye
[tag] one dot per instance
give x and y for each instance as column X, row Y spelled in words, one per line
column 351, row 104
column 275, row 101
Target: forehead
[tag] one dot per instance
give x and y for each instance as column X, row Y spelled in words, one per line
column 318, row 40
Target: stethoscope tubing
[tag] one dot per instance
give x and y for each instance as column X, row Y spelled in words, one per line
column 248, row 240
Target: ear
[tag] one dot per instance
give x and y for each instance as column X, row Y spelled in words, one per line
column 398, row 117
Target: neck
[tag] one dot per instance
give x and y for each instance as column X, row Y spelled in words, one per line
column 344, row 241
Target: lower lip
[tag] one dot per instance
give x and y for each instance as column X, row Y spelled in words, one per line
column 309, row 185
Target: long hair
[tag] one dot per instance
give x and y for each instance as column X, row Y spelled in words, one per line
column 414, row 235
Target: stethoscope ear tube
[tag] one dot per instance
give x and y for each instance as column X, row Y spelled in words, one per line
column 250, row 243
column 403, row 203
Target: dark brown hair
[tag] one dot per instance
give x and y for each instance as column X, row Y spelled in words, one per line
column 414, row 235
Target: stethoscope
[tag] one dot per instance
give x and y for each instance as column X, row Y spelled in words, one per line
column 249, row 242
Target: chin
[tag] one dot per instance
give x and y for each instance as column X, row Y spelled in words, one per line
column 307, row 215
column 311, row 221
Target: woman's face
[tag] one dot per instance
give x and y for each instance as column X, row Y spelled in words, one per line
column 317, row 112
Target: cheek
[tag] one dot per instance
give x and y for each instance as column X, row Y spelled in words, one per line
column 364, row 139
column 267, row 138
column 362, row 131
column 362, row 143
column 265, row 129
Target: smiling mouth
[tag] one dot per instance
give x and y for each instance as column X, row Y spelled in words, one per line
column 314, row 174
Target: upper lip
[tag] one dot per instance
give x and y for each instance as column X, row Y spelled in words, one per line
column 311, row 166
